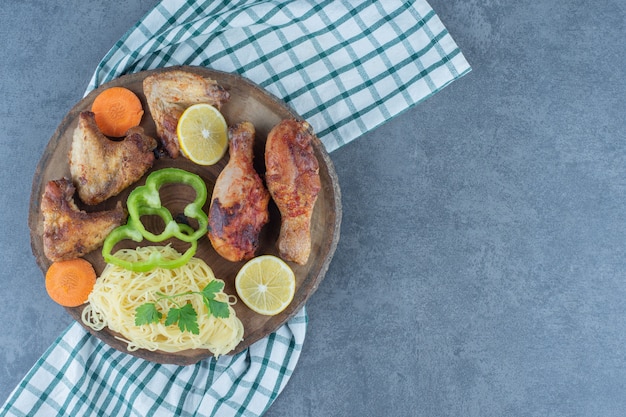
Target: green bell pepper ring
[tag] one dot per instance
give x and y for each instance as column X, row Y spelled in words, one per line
column 145, row 200
column 147, row 197
column 156, row 259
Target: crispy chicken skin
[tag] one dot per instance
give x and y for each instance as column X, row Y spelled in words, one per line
column 101, row 167
column 170, row 93
column 238, row 208
column 69, row 232
column 293, row 181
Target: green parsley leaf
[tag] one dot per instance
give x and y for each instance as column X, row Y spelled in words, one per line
column 219, row 309
column 216, row 308
column 212, row 288
column 172, row 316
column 188, row 319
column 147, row 313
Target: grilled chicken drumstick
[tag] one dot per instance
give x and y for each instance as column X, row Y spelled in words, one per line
column 170, row 93
column 101, row 167
column 69, row 232
column 238, row 208
column 293, row 181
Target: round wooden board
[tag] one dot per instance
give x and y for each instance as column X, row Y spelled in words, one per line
column 247, row 102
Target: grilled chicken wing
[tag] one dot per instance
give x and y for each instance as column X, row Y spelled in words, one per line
column 69, row 232
column 101, row 167
column 170, row 93
column 293, row 181
column 238, row 208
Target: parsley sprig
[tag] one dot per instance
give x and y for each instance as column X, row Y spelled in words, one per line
column 185, row 316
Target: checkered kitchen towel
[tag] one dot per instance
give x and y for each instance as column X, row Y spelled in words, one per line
column 345, row 66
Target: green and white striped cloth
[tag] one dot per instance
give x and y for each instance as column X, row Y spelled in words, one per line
column 345, row 66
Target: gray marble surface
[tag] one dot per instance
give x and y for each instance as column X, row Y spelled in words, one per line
column 482, row 264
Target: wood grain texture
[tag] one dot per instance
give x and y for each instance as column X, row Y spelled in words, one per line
column 248, row 102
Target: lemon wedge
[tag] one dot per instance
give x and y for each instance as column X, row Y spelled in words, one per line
column 202, row 134
column 266, row 284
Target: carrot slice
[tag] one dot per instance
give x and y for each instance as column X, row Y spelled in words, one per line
column 69, row 283
column 117, row 109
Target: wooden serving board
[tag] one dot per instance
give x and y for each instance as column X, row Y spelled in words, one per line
column 247, row 102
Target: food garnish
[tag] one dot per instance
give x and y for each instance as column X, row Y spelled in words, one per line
column 145, row 200
column 202, row 134
column 239, row 202
column 117, row 109
column 69, row 282
column 185, row 316
column 266, row 284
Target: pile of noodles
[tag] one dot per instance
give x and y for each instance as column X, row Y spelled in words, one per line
column 118, row 292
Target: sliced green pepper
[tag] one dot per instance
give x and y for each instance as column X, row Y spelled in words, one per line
column 147, row 197
column 156, row 258
column 145, row 200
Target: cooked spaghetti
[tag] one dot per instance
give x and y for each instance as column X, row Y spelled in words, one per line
column 118, row 292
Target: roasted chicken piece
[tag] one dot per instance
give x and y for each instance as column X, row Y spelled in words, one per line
column 238, row 208
column 170, row 93
column 69, row 232
column 293, row 181
column 101, row 167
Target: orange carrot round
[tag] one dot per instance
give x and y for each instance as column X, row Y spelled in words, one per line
column 69, row 283
column 117, row 109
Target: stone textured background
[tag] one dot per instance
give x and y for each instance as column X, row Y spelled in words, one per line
column 482, row 264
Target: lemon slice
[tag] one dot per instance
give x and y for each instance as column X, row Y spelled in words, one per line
column 202, row 134
column 266, row 284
